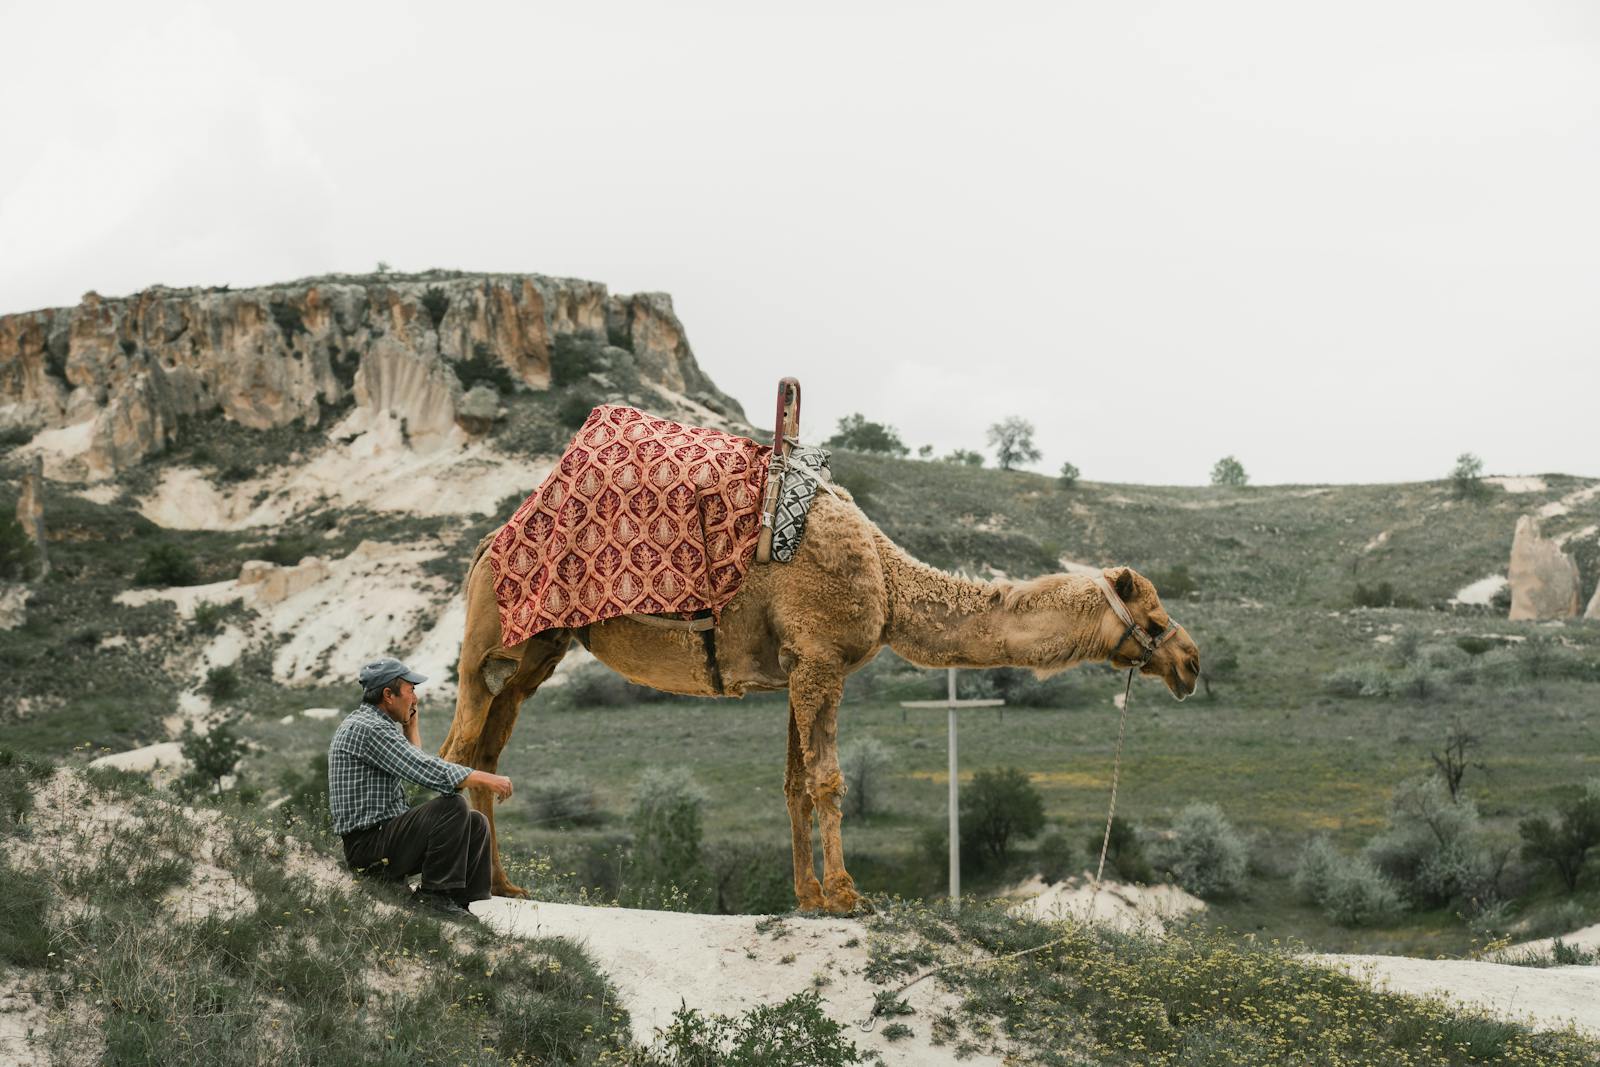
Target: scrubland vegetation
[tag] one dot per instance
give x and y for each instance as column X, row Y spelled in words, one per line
column 1367, row 768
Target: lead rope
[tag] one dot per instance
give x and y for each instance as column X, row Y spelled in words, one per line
column 880, row 1002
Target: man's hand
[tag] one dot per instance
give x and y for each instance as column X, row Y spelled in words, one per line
column 497, row 784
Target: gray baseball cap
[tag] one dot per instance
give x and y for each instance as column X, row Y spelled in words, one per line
column 383, row 671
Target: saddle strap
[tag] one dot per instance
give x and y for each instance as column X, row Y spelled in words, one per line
column 662, row 622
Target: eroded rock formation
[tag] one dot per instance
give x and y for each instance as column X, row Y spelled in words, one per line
column 30, row 513
column 133, row 367
column 1544, row 579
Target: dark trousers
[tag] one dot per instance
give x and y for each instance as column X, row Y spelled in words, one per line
column 443, row 840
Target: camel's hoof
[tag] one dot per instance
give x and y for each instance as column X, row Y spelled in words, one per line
column 506, row 889
column 809, row 902
column 848, row 902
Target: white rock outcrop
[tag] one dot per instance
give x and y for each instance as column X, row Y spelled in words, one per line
column 1544, row 579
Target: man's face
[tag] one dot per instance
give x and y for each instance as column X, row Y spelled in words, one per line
column 398, row 705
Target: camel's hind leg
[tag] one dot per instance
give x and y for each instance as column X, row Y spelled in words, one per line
column 498, row 687
column 807, row 890
column 814, row 694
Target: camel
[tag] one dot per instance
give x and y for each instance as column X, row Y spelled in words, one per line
column 804, row 626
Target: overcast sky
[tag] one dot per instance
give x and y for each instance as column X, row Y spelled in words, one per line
column 1343, row 241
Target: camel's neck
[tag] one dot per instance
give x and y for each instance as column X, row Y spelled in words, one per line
column 941, row 620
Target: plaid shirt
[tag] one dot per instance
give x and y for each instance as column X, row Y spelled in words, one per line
column 367, row 759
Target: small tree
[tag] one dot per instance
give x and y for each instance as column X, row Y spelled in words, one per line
column 925, row 452
column 1068, row 476
column 965, row 457
column 1012, row 441
column 864, row 764
column 1466, row 478
column 857, row 434
column 1452, row 763
column 1000, row 808
column 1229, row 472
column 1565, row 842
column 213, row 755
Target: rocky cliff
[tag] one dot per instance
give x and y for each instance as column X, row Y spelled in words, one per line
column 122, row 371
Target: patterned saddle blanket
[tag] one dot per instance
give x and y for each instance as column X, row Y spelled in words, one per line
column 641, row 515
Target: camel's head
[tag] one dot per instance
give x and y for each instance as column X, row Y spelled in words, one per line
column 1174, row 658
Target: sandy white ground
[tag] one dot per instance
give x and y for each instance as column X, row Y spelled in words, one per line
column 367, row 465
column 1481, row 591
column 1132, row 908
column 722, row 964
column 1544, row 998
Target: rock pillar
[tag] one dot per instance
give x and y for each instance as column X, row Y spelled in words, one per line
column 1544, row 579
column 30, row 511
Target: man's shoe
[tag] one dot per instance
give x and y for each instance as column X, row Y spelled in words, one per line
column 442, row 905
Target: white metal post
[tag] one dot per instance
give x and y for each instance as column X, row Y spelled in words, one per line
column 951, row 705
column 955, row 816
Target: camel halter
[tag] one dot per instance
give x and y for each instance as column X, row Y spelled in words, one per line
column 1149, row 644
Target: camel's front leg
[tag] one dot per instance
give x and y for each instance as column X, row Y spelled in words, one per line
column 486, row 712
column 807, row 890
column 814, row 701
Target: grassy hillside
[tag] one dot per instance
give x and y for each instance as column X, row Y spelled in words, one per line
column 1266, row 579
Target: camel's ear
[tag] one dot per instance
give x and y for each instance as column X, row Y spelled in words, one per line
column 1122, row 582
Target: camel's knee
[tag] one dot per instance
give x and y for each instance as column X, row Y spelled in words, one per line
column 825, row 790
column 497, row 672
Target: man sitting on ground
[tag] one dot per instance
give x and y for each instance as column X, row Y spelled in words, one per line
column 443, row 839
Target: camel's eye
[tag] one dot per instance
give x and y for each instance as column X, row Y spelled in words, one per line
column 1153, row 629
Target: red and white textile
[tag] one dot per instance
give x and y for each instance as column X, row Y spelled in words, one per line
column 642, row 515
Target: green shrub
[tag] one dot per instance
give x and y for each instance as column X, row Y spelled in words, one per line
column 665, row 822
column 1360, row 680
column 794, row 1033
column 213, row 756
column 288, row 550
column 435, row 303
column 1205, row 855
column 25, row 901
column 1564, row 843
column 1124, row 851
column 1382, row 595
column 484, row 369
column 562, row 799
column 209, row 615
column 1000, row 808
column 1350, row 891
column 573, row 359
column 964, row 457
column 222, row 683
column 865, row 765
column 1433, row 846
column 19, row 778
column 166, row 564
column 17, row 552
column 1068, row 476
column 1056, row 857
